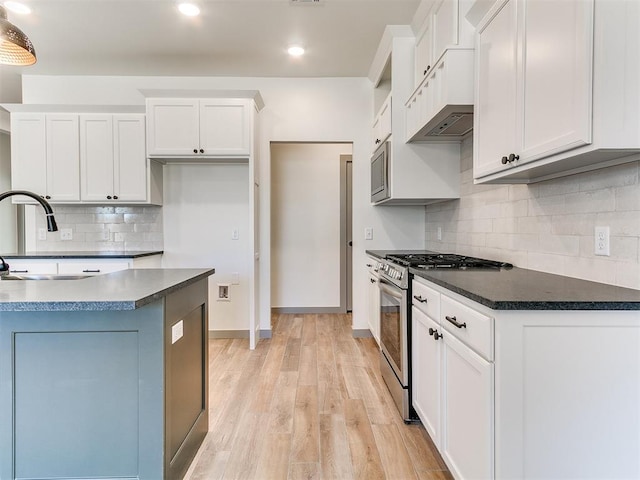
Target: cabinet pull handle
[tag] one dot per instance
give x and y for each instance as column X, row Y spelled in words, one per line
column 420, row 299
column 513, row 157
column 434, row 333
column 87, row 270
column 369, row 265
column 455, row 322
column 19, row 271
column 505, row 160
column 372, row 280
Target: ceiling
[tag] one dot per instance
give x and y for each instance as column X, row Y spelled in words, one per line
column 229, row 38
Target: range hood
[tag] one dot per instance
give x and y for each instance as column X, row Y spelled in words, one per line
column 441, row 108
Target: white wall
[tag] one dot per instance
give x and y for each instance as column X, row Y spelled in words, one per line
column 305, row 217
column 547, row 226
column 297, row 110
column 203, row 204
column 8, row 238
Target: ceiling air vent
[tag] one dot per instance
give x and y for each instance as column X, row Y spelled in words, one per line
column 305, row 2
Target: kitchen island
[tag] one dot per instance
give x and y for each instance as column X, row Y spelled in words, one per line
column 105, row 376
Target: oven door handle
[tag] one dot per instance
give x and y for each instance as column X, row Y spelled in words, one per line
column 390, row 289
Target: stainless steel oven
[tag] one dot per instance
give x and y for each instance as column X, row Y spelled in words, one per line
column 395, row 325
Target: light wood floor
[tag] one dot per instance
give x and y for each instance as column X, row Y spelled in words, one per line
column 308, row 403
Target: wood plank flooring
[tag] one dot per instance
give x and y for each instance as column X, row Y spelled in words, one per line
column 308, row 403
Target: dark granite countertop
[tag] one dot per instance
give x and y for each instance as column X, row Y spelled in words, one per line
column 123, row 290
column 81, row 254
column 523, row 289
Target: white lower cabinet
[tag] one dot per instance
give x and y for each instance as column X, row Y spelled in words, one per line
column 426, row 372
column 91, row 267
column 527, row 394
column 34, row 267
column 467, row 417
column 373, row 293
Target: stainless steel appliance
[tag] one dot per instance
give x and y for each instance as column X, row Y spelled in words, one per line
column 395, row 316
column 380, row 173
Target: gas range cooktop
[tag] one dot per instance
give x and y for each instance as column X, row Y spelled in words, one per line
column 444, row 261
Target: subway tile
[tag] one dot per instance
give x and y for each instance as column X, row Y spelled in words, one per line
column 560, row 244
column 590, row 201
column 539, row 225
column 628, row 198
column 620, row 223
column 575, row 224
column 517, row 208
column 616, row 176
column 546, row 262
column 109, row 218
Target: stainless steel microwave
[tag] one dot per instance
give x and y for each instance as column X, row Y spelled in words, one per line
column 380, row 173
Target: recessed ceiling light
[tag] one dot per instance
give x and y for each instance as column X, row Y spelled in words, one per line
column 189, row 9
column 16, row 7
column 295, row 51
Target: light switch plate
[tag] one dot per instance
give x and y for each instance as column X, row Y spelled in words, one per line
column 368, row 233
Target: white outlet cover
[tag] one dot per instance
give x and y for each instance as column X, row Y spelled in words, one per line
column 602, row 241
column 66, row 234
column 177, row 332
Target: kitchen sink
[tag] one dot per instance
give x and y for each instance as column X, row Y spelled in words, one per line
column 36, row 276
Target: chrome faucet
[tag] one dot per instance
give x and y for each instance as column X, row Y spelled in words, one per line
column 51, row 221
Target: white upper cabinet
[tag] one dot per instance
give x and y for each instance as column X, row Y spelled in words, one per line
column 444, row 27
column 112, row 158
column 190, row 127
column 550, row 100
column 45, row 156
column 382, row 124
column 441, row 106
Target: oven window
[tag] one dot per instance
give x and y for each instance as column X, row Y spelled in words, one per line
column 390, row 327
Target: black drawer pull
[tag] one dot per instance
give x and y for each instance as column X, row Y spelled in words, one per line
column 19, row 271
column 372, row 280
column 455, row 322
column 420, row 299
column 91, row 271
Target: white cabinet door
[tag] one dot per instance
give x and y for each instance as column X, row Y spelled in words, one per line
column 129, row 160
column 467, row 421
column 28, row 154
column 495, row 113
column 172, row 126
column 374, row 307
column 96, row 157
column 534, row 82
column 445, row 26
column 424, row 51
column 426, row 368
column 63, row 157
column 33, row 266
column 382, row 124
column 224, row 127
column 557, row 72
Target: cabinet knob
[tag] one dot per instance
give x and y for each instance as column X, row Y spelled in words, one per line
column 372, row 280
column 369, row 265
column 195, row 150
column 377, row 141
column 48, row 197
column 455, row 322
column 505, row 160
column 434, row 333
column 201, row 150
column 513, row 157
column 108, row 197
column 115, row 197
column 420, row 299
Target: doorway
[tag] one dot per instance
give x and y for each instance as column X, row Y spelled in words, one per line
column 311, row 227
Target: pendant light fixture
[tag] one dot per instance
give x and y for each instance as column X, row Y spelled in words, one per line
column 15, row 46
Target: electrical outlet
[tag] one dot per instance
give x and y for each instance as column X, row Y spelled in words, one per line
column 368, row 233
column 177, row 331
column 602, row 246
column 42, row 234
column 223, row 292
column 439, row 233
column 66, row 234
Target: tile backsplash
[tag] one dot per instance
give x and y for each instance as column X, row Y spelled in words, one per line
column 111, row 228
column 547, row 226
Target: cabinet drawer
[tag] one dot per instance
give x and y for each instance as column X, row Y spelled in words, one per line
column 426, row 300
column 469, row 326
column 17, row 266
column 92, row 268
